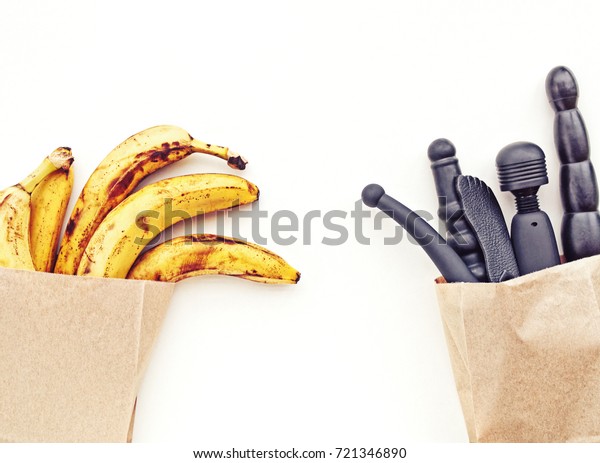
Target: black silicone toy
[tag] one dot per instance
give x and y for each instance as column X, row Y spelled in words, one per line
column 522, row 170
column 448, row 262
column 459, row 235
column 483, row 212
column 580, row 230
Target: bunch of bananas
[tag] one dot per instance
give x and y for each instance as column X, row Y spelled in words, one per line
column 109, row 228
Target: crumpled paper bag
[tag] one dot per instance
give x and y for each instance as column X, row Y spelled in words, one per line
column 73, row 351
column 526, row 354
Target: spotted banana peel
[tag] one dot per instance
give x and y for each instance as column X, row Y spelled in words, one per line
column 130, row 226
column 15, row 211
column 119, row 174
column 203, row 254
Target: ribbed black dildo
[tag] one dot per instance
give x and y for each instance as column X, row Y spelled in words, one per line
column 580, row 229
column 448, row 262
column 521, row 170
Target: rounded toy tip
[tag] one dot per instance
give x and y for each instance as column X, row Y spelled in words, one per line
column 521, row 165
column 371, row 194
column 561, row 88
column 440, row 149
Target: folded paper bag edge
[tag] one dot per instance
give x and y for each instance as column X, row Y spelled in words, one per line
column 563, row 268
column 54, row 392
column 460, row 370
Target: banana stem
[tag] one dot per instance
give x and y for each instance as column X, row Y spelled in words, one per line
column 216, row 150
column 60, row 158
column 234, row 160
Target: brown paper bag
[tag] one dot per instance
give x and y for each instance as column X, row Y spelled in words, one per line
column 73, row 353
column 526, row 354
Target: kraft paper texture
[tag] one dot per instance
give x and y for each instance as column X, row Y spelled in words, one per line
column 73, row 353
column 526, row 354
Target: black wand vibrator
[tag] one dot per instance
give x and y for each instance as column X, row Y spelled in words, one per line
column 580, row 229
column 521, row 170
column 459, row 235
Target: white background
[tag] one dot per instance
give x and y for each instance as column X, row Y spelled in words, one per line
column 322, row 97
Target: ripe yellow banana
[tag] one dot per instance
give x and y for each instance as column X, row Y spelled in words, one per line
column 194, row 255
column 118, row 175
column 15, row 212
column 49, row 202
column 130, row 226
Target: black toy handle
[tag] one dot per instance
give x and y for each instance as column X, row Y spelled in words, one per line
column 448, row 262
column 533, row 242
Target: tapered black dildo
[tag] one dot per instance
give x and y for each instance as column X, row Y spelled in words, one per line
column 448, row 262
column 459, row 234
